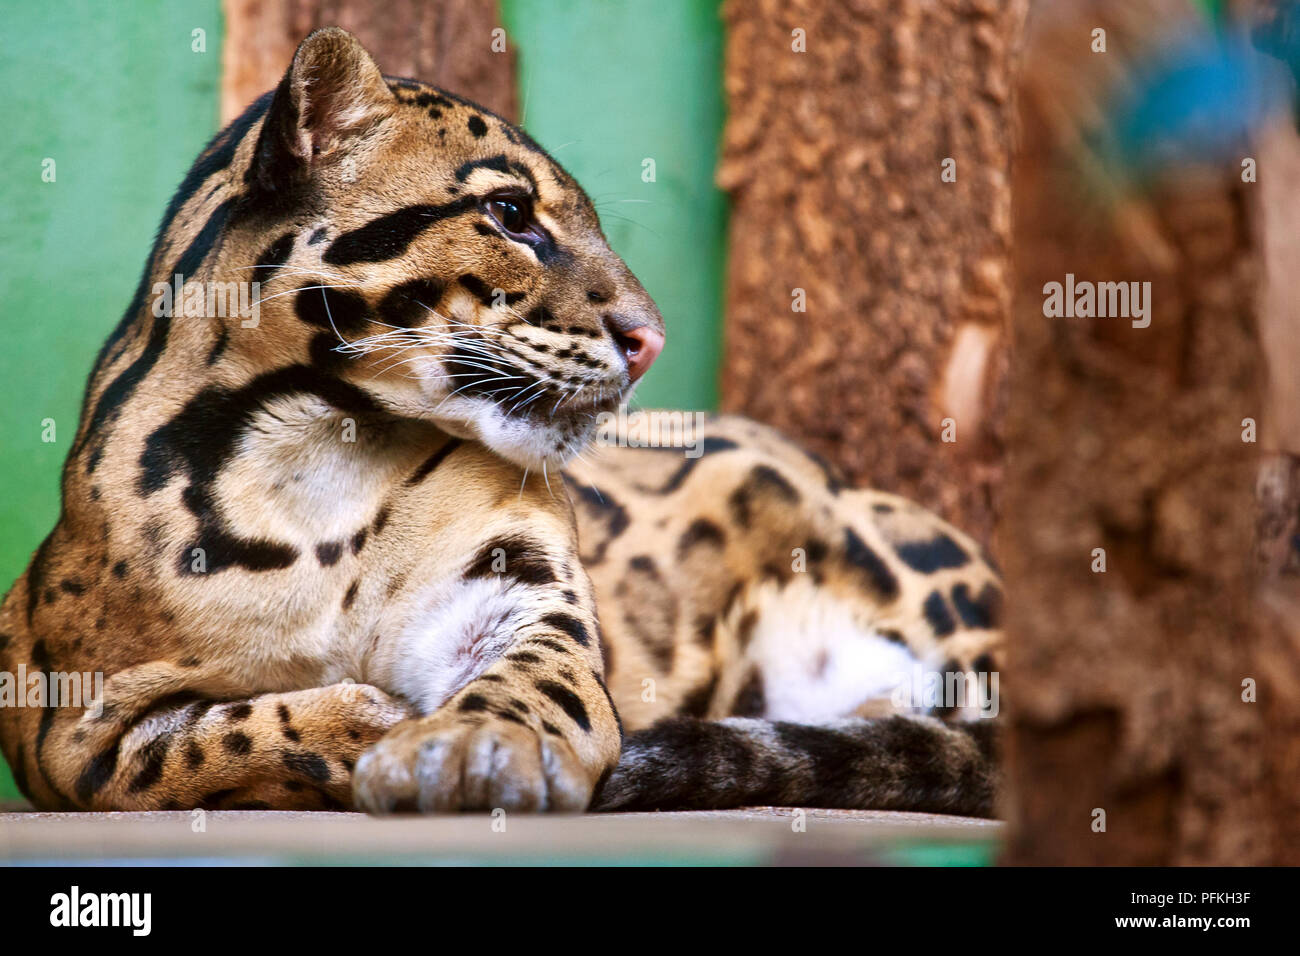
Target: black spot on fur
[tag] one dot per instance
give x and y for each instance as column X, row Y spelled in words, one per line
column 477, row 126
column 701, row 531
column 938, row 615
column 338, row 310
column 276, row 254
column 96, row 774
column 389, row 236
column 152, row 756
column 569, row 625
column 499, row 163
column 412, row 303
column 934, row 555
column 569, row 702
column 983, row 611
column 540, row 317
column 119, row 569
column 239, row 712
column 518, row 556
column 310, row 765
column 877, row 573
column 329, row 552
column 471, row 703
column 350, row 595
column 237, row 743
column 486, row 294
column 762, row 482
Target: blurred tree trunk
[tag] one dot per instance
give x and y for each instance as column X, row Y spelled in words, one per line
column 1127, row 687
column 1275, row 25
column 842, row 121
column 444, row 42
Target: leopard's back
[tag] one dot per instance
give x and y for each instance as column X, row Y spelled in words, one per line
column 751, row 581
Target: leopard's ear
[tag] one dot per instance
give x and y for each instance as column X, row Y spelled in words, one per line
column 331, row 93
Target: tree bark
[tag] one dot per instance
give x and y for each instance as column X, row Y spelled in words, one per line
column 444, row 42
column 835, row 162
column 1126, row 686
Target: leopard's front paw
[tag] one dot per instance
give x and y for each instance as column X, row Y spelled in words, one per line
column 444, row 763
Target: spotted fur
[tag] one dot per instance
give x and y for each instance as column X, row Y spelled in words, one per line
column 330, row 558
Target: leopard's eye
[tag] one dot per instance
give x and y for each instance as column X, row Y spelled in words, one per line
column 513, row 214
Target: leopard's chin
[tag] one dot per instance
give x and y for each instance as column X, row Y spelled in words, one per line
column 537, row 442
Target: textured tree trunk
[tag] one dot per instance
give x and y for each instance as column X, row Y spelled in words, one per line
column 835, row 160
column 445, row 42
column 1127, row 686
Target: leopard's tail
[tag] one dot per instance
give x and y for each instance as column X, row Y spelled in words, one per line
column 888, row 763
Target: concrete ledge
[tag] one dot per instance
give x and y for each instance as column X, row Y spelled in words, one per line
column 757, row 836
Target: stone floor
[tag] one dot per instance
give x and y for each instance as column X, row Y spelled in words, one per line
column 762, row 835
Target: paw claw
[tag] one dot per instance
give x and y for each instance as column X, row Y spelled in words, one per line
column 441, row 765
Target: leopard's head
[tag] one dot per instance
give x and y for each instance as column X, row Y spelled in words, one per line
column 430, row 253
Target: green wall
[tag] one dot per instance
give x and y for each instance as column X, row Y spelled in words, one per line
column 113, row 93
column 605, row 86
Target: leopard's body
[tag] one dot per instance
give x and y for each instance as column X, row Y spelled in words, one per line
column 328, row 558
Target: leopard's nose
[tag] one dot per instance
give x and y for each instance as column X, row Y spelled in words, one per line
column 640, row 345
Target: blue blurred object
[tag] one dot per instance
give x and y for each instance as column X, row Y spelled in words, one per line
column 1197, row 102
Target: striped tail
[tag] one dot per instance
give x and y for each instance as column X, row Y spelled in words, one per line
column 889, row 763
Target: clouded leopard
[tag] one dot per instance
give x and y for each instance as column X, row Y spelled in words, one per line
column 350, row 551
